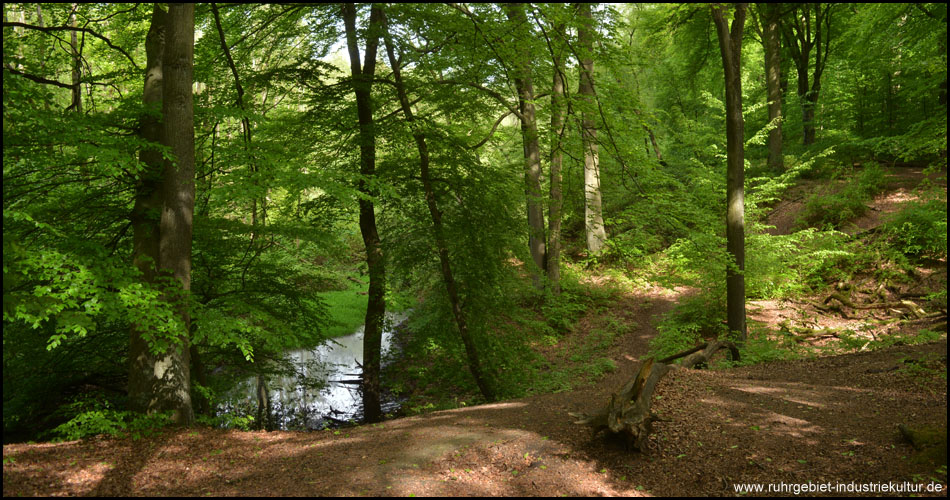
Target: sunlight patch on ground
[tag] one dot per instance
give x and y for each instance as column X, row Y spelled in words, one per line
column 760, row 389
column 493, row 406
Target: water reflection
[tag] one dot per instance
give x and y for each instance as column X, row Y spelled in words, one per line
column 323, row 392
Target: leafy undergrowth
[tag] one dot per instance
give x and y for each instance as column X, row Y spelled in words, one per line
column 884, row 286
column 541, row 343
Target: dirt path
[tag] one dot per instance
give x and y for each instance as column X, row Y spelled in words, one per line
column 831, row 419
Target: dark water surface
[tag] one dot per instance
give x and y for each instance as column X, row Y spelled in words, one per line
column 325, row 392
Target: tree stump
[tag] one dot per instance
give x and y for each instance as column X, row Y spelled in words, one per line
column 627, row 414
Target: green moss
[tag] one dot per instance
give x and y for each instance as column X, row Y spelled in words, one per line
column 931, row 442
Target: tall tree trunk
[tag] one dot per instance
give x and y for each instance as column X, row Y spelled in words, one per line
column 593, row 211
column 376, row 304
column 146, row 212
column 532, row 150
column 558, row 111
column 771, row 43
column 448, row 278
column 730, row 45
column 76, row 104
column 178, row 199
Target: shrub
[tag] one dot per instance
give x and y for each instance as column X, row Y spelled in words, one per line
column 920, row 229
column 111, row 422
column 693, row 320
column 832, row 210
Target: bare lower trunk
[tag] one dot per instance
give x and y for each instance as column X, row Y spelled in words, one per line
column 532, row 150
column 808, row 117
column 146, row 212
column 556, row 201
column 76, row 104
column 730, row 44
column 593, row 212
column 773, row 59
column 376, row 304
column 178, row 205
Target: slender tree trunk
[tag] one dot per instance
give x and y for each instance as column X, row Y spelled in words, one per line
column 146, row 212
column 178, row 194
column 532, row 150
column 771, row 43
column 376, row 305
column 593, row 211
column 558, row 111
column 808, row 113
column 652, row 136
column 448, row 278
column 730, row 45
column 76, row 104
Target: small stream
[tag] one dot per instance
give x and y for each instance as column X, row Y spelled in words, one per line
column 325, row 392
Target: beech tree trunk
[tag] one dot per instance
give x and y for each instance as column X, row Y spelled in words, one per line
column 558, row 112
column 376, row 304
column 146, row 212
column 471, row 352
column 532, row 150
column 593, row 212
column 771, row 43
column 76, row 104
column 730, row 45
column 178, row 202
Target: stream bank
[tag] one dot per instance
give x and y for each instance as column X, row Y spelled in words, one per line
column 321, row 388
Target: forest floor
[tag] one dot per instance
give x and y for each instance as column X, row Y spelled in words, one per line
column 829, row 419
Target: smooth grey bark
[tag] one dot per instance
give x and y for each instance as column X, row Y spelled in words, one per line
column 173, row 388
column 532, row 150
column 471, row 352
column 593, row 210
column 730, row 46
column 362, row 78
column 146, row 211
column 556, row 202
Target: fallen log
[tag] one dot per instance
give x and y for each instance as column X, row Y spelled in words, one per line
column 627, row 414
column 701, row 354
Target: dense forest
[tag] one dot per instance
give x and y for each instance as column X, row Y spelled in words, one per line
column 505, row 202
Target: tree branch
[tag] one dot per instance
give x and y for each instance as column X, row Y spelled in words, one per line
column 498, row 97
column 71, row 28
column 37, row 79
